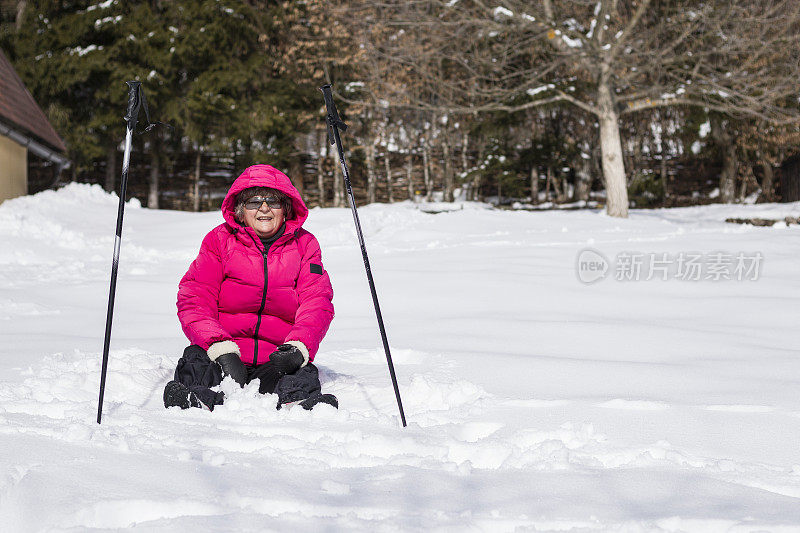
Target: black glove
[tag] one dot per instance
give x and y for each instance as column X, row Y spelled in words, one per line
column 232, row 366
column 287, row 359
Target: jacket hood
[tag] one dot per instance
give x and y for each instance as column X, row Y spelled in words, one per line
column 264, row 176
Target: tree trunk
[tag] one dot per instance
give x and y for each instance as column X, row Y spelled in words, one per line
column 196, row 191
column 464, row 149
column 727, row 179
column 426, row 172
column 476, row 180
column 663, row 167
column 370, row 149
column 724, row 141
column 296, row 168
column 565, row 185
column 296, row 175
column 560, row 186
column 338, row 181
column 322, row 155
column 111, row 169
column 410, row 175
column 475, row 189
column 548, row 184
column 155, row 173
column 534, row 185
column 21, row 5
column 388, row 164
column 310, row 149
column 632, row 153
column 583, row 176
column 449, row 181
column 628, row 162
column 611, row 147
column 747, row 173
column 768, row 182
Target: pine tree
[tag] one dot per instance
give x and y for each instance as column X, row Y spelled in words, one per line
column 212, row 69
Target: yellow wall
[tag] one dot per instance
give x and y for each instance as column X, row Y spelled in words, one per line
column 13, row 169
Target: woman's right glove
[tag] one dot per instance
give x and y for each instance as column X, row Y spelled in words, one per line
column 232, row 366
column 226, row 354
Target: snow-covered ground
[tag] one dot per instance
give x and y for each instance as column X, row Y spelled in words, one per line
column 535, row 401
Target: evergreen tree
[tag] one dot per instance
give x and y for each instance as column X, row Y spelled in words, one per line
column 213, row 69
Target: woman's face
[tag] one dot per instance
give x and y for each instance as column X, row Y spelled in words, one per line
column 265, row 220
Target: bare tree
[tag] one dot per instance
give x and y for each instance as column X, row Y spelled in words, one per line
column 369, row 150
column 410, row 174
column 111, row 168
column 323, row 155
column 338, row 182
column 606, row 57
column 763, row 148
column 155, row 172
column 724, row 134
column 387, row 163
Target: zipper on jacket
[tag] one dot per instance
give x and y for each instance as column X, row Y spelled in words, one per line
column 264, row 253
column 260, row 309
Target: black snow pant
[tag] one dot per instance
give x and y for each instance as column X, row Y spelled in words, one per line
column 199, row 373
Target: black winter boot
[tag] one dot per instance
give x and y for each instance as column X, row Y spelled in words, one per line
column 303, row 387
column 330, row 399
column 177, row 394
column 309, row 403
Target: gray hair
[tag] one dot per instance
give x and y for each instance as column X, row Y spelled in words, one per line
column 246, row 194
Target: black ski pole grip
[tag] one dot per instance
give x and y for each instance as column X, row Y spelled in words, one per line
column 137, row 101
column 134, row 102
column 333, row 119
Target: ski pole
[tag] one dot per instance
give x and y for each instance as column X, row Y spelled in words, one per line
column 135, row 96
column 334, row 123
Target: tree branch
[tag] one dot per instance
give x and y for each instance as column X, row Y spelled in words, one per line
column 648, row 103
column 628, row 30
column 420, row 105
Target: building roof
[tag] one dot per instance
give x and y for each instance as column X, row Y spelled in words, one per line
column 19, row 110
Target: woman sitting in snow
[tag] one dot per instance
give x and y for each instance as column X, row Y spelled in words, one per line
column 256, row 302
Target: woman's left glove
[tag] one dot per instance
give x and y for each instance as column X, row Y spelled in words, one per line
column 289, row 357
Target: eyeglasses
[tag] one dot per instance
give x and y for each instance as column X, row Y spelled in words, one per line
column 256, row 201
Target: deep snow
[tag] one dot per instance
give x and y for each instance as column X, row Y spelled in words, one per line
column 535, row 402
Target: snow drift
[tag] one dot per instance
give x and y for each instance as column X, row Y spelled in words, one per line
column 535, row 402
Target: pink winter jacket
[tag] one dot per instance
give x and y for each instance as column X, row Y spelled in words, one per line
column 235, row 291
